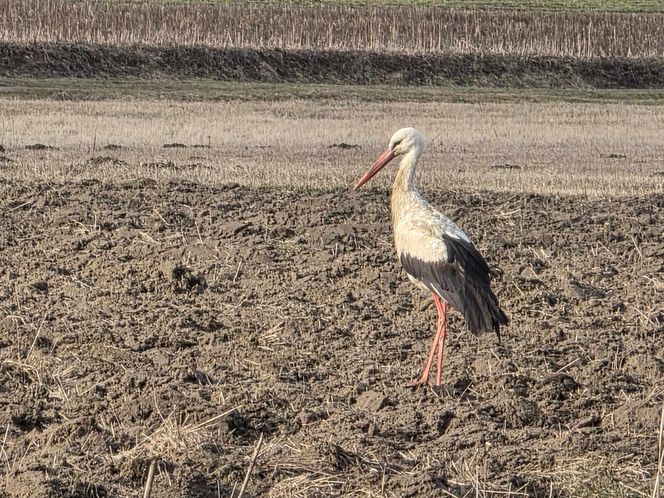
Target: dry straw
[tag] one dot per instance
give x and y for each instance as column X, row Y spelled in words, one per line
column 336, row 27
column 593, row 150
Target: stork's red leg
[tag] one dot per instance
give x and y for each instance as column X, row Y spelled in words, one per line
column 436, row 346
column 424, row 378
column 442, row 332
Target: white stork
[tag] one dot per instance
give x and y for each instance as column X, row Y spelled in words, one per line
column 437, row 255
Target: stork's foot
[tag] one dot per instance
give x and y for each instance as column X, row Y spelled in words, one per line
column 419, row 382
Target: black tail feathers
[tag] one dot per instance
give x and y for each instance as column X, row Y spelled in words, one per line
column 482, row 311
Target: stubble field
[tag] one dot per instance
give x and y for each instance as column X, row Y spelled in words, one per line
column 173, row 305
column 595, row 149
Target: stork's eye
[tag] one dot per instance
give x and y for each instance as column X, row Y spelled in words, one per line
column 395, row 144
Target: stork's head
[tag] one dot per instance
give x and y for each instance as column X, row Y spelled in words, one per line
column 404, row 141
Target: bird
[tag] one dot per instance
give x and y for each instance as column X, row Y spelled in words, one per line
column 437, row 255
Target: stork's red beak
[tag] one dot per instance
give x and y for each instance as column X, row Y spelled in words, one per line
column 384, row 158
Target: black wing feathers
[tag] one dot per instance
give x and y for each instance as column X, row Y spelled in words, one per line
column 463, row 281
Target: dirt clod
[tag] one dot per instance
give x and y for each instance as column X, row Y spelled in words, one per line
column 40, row 147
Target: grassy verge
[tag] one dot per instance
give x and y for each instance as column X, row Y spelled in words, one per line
column 324, row 67
column 212, row 90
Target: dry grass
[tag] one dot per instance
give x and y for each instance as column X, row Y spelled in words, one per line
column 550, row 148
column 308, row 474
column 36, row 370
column 336, row 27
column 660, row 459
column 177, row 434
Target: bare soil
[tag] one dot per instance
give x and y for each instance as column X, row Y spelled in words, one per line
column 175, row 323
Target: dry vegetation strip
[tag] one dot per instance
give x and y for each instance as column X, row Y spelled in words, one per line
column 550, row 148
column 207, row 89
column 336, row 27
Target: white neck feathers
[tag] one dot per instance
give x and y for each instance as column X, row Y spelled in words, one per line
column 405, row 179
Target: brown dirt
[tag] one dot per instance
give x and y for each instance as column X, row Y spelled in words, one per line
column 134, row 314
column 47, row 60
